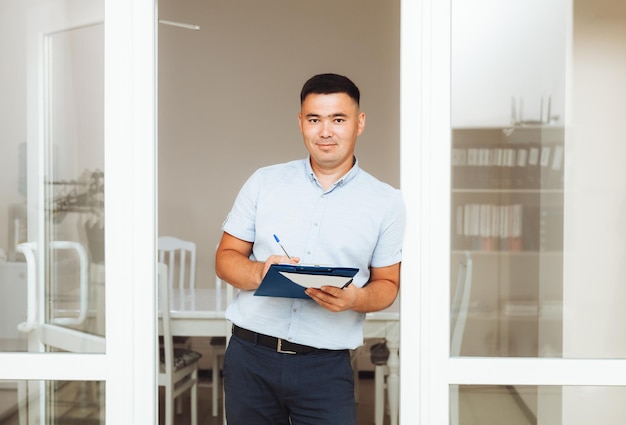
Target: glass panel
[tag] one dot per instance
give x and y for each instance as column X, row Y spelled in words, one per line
column 530, row 405
column 537, row 187
column 69, row 402
column 74, row 181
column 13, row 128
column 51, row 158
column 12, row 304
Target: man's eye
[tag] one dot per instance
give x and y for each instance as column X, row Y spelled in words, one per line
column 313, row 120
column 339, row 120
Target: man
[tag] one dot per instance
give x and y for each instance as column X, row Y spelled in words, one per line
column 288, row 360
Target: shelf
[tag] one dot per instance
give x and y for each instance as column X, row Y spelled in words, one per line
column 508, row 253
column 507, row 211
column 513, row 191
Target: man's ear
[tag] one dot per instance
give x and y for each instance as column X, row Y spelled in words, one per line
column 361, row 122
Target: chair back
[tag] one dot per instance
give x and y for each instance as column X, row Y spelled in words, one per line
column 180, row 257
column 222, row 303
column 460, row 304
column 164, row 307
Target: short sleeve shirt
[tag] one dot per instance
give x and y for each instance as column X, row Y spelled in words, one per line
column 358, row 222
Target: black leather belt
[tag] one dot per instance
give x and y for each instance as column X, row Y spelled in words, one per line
column 278, row 344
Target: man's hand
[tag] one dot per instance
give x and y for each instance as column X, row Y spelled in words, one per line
column 333, row 298
column 377, row 295
column 233, row 264
column 278, row 259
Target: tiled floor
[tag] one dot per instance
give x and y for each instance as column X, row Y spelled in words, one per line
column 77, row 403
column 365, row 407
column 492, row 405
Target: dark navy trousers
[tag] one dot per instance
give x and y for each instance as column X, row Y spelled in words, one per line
column 264, row 387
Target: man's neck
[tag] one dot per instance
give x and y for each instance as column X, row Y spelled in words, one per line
column 327, row 177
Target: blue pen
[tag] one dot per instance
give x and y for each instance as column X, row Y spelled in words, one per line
column 281, row 245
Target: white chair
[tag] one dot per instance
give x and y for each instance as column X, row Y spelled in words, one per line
column 180, row 257
column 178, row 367
column 460, row 307
column 218, row 344
column 379, row 355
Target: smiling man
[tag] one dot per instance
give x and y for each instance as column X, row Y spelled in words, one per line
column 288, row 361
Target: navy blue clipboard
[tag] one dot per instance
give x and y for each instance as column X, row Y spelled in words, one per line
column 290, row 280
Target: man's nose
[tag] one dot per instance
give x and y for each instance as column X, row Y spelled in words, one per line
column 326, row 130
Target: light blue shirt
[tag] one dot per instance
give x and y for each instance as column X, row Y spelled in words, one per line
column 358, row 222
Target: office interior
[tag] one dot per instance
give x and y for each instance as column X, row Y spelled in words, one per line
column 227, row 104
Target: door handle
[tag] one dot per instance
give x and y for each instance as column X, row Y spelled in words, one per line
column 83, row 279
column 28, row 249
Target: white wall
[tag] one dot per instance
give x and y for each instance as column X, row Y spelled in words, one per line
column 595, row 226
column 229, row 97
column 504, row 49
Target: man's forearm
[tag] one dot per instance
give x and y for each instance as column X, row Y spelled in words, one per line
column 376, row 296
column 238, row 270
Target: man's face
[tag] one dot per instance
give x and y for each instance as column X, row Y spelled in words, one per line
column 330, row 125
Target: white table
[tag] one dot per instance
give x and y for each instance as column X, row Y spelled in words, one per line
column 200, row 312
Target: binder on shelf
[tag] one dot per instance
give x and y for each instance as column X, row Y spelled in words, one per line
column 515, row 233
column 473, row 168
column 486, row 242
column 521, row 168
column 505, row 226
column 484, row 171
column 497, row 160
column 533, row 172
column 508, row 168
column 495, row 226
column 544, row 164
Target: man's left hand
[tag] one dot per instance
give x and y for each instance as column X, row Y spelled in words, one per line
column 335, row 299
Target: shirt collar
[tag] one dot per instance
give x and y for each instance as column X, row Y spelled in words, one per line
column 343, row 180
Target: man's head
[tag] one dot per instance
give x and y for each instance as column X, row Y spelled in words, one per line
column 330, row 122
column 329, row 84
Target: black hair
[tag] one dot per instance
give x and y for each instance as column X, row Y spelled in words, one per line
column 329, row 84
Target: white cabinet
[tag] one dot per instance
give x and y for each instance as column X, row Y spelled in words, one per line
column 506, row 49
column 12, row 306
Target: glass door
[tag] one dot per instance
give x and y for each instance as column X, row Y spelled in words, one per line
column 536, row 200
column 519, row 137
column 53, row 208
column 55, row 364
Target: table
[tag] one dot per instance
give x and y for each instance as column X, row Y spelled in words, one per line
column 200, row 312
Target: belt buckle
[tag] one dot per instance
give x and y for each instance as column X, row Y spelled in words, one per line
column 279, row 348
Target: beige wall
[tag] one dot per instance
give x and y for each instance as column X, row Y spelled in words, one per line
column 228, row 97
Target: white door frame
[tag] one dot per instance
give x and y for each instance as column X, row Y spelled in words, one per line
column 425, row 181
column 130, row 172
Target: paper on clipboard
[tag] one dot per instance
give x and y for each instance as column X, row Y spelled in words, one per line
column 316, row 280
column 291, row 280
